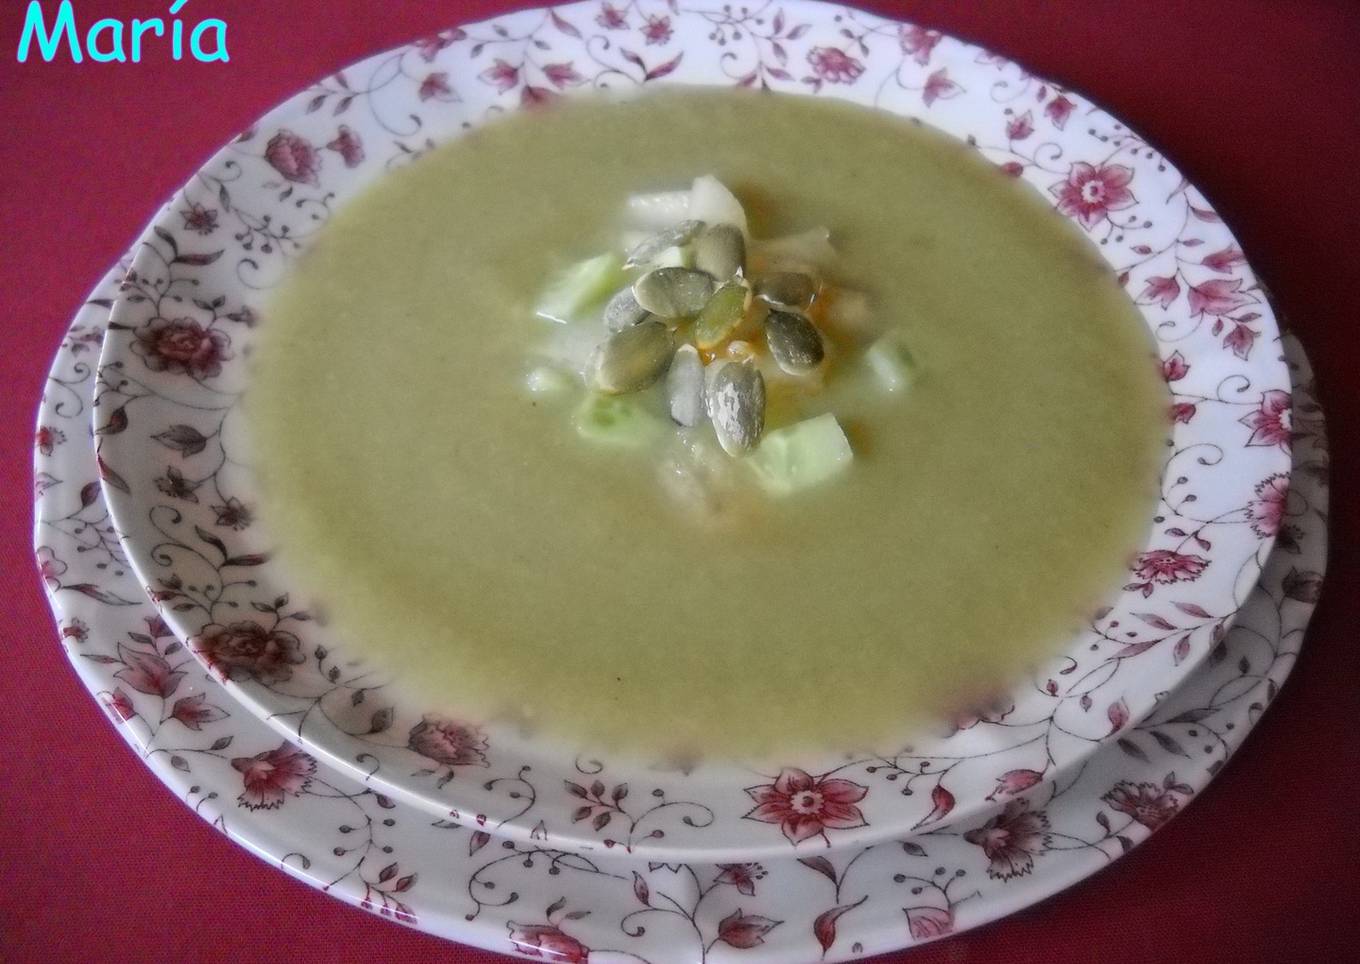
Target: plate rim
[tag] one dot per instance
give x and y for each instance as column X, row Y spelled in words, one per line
column 488, row 935
column 512, row 825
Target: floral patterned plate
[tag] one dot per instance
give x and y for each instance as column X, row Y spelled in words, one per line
column 345, row 837
column 173, row 463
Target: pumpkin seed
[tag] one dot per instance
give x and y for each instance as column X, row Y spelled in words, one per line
column 720, row 250
column 794, row 342
column 685, row 387
column 633, row 358
column 736, row 404
column 623, row 311
column 673, row 292
column 653, row 245
column 721, row 316
column 787, row 289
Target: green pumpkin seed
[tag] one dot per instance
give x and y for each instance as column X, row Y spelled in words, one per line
column 633, row 358
column 673, row 292
column 794, row 341
column 720, row 250
column 623, row 311
column 736, row 404
column 721, row 316
column 787, row 289
column 673, row 237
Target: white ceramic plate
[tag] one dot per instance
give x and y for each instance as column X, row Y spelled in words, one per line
column 174, row 369
column 345, row 837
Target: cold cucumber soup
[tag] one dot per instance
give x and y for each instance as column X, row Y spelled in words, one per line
column 707, row 422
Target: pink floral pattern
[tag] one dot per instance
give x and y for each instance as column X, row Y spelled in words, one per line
column 834, row 65
column 199, row 219
column 119, row 706
column 657, row 29
column 919, row 42
column 1149, row 804
column 930, row 923
column 46, row 439
column 805, row 806
column 741, row 876
column 1018, row 128
column 273, row 776
column 182, row 345
column 1183, row 412
column 939, row 85
column 233, row 514
column 149, row 673
column 348, row 145
column 429, row 47
column 1175, row 367
column 50, row 567
column 744, row 931
column 1165, row 566
column 247, row 650
column 195, row 712
column 1090, row 193
column 501, row 75
column 448, row 742
column 294, row 158
column 549, row 942
column 1218, row 296
column 1012, row 839
column 1058, row 110
column 611, row 17
column 1266, row 511
column 1271, row 423
column 436, row 86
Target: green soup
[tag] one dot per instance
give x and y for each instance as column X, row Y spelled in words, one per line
column 464, row 537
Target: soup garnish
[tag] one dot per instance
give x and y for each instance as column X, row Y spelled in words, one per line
column 697, row 318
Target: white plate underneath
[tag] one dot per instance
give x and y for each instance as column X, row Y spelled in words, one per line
column 337, row 835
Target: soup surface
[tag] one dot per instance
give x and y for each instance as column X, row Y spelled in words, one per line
column 462, row 536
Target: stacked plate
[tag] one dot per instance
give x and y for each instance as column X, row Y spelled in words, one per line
column 179, row 622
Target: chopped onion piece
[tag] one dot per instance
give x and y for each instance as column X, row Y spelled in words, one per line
column 891, row 364
column 713, row 203
column 652, row 212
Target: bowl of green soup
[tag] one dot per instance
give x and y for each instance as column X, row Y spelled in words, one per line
column 704, row 434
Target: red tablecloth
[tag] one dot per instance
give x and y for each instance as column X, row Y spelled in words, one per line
column 1257, row 100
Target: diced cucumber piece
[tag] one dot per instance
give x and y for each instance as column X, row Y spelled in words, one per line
column 712, row 203
column 891, row 364
column 580, row 286
column 801, row 455
column 617, row 420
column 658, row 210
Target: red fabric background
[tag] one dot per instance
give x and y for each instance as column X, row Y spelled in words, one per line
column 1257, row 100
